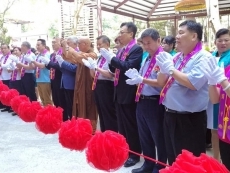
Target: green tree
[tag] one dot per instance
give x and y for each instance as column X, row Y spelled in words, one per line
column 4, row 38
column 53, row 29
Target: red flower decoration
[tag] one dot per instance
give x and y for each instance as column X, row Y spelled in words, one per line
column 16, row 101
column 27, row 111
column 6, row 96
column 49, row 119
column 107, row 151
column 75, row 134
column 3, row 87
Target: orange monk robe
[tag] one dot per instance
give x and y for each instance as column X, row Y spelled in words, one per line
column 83, row 104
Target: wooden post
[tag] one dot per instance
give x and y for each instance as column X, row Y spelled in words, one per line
column 99, row 21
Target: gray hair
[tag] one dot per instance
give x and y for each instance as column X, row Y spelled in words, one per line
column 74, row 39
column 26, row 44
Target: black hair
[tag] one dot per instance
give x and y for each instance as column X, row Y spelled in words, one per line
column 169, row 40
column 150, row 32
column 17, row 48
column 26, row 44
column 104, row 39
column 4, row 44
column 42, row 41
column 131, row 27
column 221, row 32
column 33, row 50
column 194, row 27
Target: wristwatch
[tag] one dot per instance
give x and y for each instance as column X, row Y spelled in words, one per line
column 171, row 72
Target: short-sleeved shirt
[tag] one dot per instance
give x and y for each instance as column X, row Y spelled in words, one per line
column 44, row 72
column 181, row 98
column 105, row 66
column 149, row 90
column 5, row 75
column 24, row 62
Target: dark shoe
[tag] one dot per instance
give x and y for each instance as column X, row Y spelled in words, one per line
column 5, row 110
column 10, row 111
column 143, row 169
column 208, row 146
column 131, row 162
column 14, row 114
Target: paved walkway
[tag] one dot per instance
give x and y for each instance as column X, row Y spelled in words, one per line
column 23, row 149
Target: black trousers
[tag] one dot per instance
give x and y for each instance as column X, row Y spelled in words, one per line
column 105, row 106
column 58, row 96
column 17, row 84
column 185, row 131
column 6, row 82
column 225, row 153
column 69, row 94
column 28, row 86
column 150, row 120
column 127, row 126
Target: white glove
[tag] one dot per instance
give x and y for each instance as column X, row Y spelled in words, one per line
column 86, row 63
column 92, row 62
column 29, row 59
column 131, row 73
column 59, row 59
column 212, row 71
column 14, row 58
column 165, row 62
column 107, row 54
column 136, row 80
column 45, row 60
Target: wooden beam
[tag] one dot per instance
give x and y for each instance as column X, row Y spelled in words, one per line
column 120, row 4
column 123, row 13
column 154, row 8
column 179, row 16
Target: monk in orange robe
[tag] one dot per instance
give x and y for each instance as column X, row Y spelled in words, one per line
column 83, row 103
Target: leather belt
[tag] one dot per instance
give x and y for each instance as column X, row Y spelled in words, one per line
column 153, row 97
column 176, row 112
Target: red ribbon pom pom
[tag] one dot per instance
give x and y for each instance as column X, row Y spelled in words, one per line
column 49, row 119
column 3, row 87
column 28, row 111
column 16, row 101
column 75, row 134
column 107, row 151
column 7, row 96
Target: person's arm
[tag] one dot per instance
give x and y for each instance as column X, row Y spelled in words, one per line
column 133, row 61
column 29, row 66
column 105, row 73
column 162, row 79
column 53, row 65
column 76, row 57
column 183, row 79
column 68, row 66
column 38, row 64
column 155, row 82
column 226, row 84
column 214, row 94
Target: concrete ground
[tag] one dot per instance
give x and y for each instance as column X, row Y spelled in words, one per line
column 23, row 149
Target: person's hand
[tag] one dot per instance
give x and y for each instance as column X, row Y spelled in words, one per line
column 59, row 59
column 107, row 54
column 86, row 63
column 136, row 80
column 63, row 43
column 212, row 71
column 29, row 59
column 93, row 62
column 45, row 60
column 165, row 62
column 14, row 58
column 131, row 73
column 12, row 65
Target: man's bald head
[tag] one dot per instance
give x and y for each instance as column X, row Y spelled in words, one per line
column 84, row 44
column 56, row 43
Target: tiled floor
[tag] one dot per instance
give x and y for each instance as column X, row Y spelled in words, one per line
column 25, row 150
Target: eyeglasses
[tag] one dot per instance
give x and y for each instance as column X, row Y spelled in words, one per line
column 122, row 32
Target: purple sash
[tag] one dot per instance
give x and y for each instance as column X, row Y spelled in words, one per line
column 223, row 116
column 147, row 73
column 196, row 49
column 6, row 58
column 38, row 70
column 26, row 63
column 53, row 59
column 103, row 60
column 124, row 55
